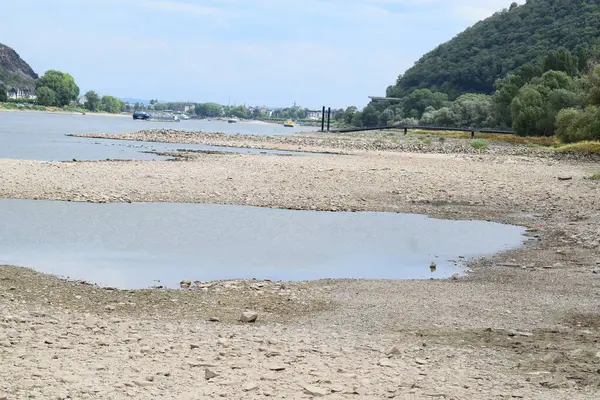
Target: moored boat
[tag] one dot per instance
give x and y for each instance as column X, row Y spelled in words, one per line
column 289, row 123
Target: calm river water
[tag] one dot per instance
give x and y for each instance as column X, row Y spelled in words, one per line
column 135, row 245
column 41, row 136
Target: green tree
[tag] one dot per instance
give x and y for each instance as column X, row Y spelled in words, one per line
column 472, row 110
column 349, row 114
column 112, row 104
column 208, row 110
column 62, row 84
column 529, row 113
column 592, row 86
column 506, row 90
column 46, row 96
column 369, row 116
column 357, row 119
column 92, row 101
column 3, row 94
column 414, row 104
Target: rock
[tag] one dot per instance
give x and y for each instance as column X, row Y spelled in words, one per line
column 214, row 319
column 250, row 386
column 598, row 354
column 420, row 361
column 249, row 316
column 315, row 391
column 210, row 374
column 3, row 396
column 565, row 178
column 277, row 367
column 395, row 351
column 142, row 383
column 185, row 284
column 109, row 308
column 223, row 342
column 384, row 362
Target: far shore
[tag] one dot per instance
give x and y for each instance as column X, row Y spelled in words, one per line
column 65, row 113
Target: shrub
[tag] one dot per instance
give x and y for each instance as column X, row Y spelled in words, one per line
column 479, row 144
column 573, row 125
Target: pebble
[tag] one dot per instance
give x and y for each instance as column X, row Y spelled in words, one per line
column 277, row 367
column 214, row 319
column 249, row 316
column 420, row 361
column 394, row 351
column 210, row 374
column 315, row 391
column 250, row 386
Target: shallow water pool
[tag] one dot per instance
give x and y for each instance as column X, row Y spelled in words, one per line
column 143, row 244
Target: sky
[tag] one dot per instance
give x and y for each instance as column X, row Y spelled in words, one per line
column 255, row 52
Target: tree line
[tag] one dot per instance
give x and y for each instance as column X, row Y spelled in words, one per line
column 556, row 94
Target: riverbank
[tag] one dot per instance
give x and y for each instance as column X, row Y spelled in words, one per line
column 522, row 324
column 63, row 112
column 352, row 143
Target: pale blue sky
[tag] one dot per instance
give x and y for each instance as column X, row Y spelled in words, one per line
column 259, row 52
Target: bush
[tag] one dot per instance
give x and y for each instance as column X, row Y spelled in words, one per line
column 573, row 125
column 479, row 144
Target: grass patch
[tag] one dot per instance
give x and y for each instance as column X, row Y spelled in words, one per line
column 441, row 139
column 426, row 141
column 581, row 147
column 594, row 177
column 495, row 137
column 479, row 144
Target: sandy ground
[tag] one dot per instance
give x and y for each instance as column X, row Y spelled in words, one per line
column 523, row 324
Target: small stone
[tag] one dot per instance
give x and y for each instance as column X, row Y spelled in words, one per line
column 223, row 342
column 194, row 346
column 277, row 367
column 564, row 178
column 315, row 391
column 384, row 362
column 394, row 351
column 142, row 383
column 185, row 284
column 3, row 396
column 250, row 386
column 249, row 316
column 598, row 354
column 214, row 319
column 109, row 308
column 209, row 374
column 420, row 361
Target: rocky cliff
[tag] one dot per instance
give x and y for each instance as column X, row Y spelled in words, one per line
column 14, row 72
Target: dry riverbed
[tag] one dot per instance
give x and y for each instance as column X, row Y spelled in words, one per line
column 523, row 324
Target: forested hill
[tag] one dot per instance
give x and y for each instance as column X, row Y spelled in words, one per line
column 473, row 60
column 14, row 72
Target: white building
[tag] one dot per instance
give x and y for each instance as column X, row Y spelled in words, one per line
column 18, row 93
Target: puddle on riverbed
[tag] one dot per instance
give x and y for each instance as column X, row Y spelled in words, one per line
column 135, row 245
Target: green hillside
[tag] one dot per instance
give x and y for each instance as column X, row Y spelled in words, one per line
column 473, row 60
